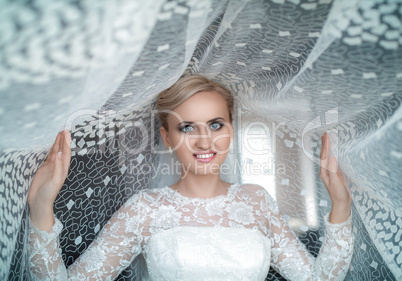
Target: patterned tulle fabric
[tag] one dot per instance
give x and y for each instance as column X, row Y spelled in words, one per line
column 297, row 69
column 228, row 237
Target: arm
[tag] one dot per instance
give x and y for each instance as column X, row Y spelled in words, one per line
column 118, row 243
column 289, row 255
column 291, row 258
column 335, row 184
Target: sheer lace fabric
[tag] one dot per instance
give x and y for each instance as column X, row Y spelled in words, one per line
column 317, row 65
column 235, row 236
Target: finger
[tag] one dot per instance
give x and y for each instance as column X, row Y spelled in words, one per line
column 324, row 159
column 343, row 182
column 67, row 141
column 322, row 146
column 54, row 149
column 333, row 169
column 61, row 143
column 341, row 177
column 326, row 146
column 66, row 150
column 58, row 175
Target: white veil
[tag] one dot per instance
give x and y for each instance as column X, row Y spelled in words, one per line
column 300, row 67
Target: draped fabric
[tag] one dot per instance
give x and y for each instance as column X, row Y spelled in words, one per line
column 297, row 69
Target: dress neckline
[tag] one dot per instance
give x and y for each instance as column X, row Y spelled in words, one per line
column 178, row 195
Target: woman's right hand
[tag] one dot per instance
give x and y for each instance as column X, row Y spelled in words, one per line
column 48, row 181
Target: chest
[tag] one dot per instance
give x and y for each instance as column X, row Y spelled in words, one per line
column 208, row 253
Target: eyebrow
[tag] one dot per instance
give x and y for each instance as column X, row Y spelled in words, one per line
column 191, row 122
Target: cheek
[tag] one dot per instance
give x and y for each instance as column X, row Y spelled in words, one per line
column 183, row 144
column 177, row 139
column 221, row 142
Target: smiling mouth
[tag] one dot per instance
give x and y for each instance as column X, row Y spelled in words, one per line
column 204, row 156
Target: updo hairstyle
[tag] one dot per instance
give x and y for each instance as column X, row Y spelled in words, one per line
column 183, row 89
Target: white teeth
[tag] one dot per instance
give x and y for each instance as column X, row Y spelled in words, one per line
column 203, row 156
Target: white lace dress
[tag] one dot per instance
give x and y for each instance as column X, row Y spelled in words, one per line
column 236, row 236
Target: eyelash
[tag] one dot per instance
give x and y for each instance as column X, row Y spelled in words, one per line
column 182, row 129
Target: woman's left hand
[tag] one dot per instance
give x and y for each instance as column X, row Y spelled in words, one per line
column 335, row 184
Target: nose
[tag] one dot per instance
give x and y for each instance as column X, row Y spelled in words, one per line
column 203, row 138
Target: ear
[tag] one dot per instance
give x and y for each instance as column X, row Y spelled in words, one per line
column 165, row 136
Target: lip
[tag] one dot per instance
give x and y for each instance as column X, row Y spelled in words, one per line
column 205, row 160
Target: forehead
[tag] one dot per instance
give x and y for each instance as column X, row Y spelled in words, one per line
column 201, row 107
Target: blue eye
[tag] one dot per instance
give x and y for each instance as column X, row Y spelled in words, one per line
column 216, row 126
column 186, row 129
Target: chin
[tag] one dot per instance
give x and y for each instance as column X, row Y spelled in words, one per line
column 206, row 169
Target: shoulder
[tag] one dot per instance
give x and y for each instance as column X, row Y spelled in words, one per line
column 150, row 195
column 253, row 189
column 258, row 193
column 155, row 193
column 143, row 197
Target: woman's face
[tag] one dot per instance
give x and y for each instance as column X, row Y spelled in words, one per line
column 200, row 132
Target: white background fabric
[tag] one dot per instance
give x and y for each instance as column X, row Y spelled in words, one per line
column 95, row 67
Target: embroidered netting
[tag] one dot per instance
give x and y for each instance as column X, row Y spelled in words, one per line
column 297, row 69
column 228, row 237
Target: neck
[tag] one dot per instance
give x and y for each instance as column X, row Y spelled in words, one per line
column 201, row 186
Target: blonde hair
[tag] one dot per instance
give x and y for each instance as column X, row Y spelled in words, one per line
column 183, row 89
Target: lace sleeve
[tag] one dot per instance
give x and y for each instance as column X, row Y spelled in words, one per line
column 118, row 243
column 291, row 258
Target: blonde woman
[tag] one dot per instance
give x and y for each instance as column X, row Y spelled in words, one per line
column 201, row 227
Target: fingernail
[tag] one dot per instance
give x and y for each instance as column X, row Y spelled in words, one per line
column 59, row 155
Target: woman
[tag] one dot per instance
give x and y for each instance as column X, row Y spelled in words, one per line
column 200, row 228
